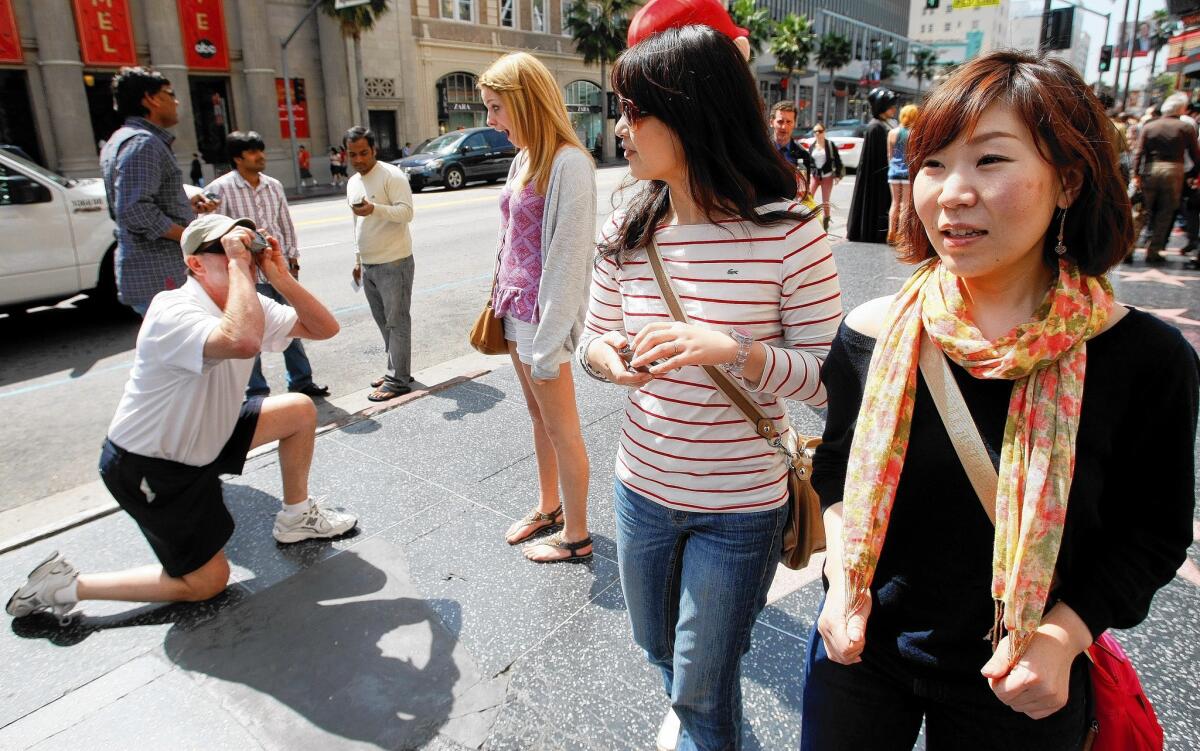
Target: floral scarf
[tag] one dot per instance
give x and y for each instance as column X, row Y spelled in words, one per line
column 1045, row 359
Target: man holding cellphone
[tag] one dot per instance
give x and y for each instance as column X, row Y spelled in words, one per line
column 382, row 203
column 182, row 423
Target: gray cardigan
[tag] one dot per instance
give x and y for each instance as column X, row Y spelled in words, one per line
column 568, row 248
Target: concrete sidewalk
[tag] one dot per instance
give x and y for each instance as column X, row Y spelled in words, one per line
column 424, row 630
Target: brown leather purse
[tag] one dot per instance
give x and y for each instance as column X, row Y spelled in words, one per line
column 487, row 333
column 805, row 531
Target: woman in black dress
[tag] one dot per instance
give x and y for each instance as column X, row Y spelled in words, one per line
column 868, row 221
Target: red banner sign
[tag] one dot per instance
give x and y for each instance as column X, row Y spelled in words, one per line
column 105, row 30
column 10, row 40
column 202, row 24
column 299, row 108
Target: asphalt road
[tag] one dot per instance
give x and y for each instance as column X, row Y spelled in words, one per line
column 62, row 369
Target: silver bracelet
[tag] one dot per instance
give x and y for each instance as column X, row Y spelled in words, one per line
column 582, row 356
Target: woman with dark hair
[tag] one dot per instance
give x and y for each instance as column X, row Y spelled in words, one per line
column 701, row 498
column 1017, row 211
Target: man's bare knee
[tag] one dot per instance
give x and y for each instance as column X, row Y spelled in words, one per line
column 208, row 581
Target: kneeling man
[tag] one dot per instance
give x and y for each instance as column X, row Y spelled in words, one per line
column 182, row 423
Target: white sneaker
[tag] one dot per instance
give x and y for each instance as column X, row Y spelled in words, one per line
column 317, row 522
column 668, row 733
column 45, row 580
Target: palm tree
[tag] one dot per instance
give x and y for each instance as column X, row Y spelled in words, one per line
column 354, row 22
column 833, row 53
column 757, row 20
column 1162, row 28
column 889, row 63
column 922, row 67
column 792, row 45
column 599, row 28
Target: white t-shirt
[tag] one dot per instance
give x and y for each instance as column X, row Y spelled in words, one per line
column 178, row 404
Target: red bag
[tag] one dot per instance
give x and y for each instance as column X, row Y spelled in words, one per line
column 1124, row 719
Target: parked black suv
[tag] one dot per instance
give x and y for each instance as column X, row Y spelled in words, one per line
column 459, row 157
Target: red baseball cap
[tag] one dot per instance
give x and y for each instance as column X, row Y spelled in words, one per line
column 660, row 15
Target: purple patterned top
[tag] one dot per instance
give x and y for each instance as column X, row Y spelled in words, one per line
column 520, row 274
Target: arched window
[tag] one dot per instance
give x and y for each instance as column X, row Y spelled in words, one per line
column 459, row 102
column 583, row 105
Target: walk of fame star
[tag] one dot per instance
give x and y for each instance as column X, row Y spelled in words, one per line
column 1157, row 276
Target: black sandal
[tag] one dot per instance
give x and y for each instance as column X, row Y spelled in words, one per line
column 557, row 542
column 552, row 519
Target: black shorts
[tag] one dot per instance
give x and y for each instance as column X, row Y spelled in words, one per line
column 183, row 516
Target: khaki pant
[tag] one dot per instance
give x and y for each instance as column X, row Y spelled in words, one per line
column 1161, row 188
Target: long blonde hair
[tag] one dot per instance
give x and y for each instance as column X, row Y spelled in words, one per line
column 536, row 109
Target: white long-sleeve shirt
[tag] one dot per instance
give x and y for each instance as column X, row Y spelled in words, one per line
column 383, row 236
column 682, row 444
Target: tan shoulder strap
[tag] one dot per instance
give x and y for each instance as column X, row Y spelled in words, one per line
column 968, row 444
column 732, row 391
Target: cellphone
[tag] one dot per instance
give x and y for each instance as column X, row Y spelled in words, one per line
column 258, row 243
column 362, row 202
column 211, row 196
column 626, row 354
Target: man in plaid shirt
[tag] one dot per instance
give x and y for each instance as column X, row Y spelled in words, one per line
column 248, row 192
column 145, row 188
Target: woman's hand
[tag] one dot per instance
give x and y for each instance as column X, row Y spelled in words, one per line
column 1039, row 683
column 602, row 356
column 678, row 344
column 844, row 637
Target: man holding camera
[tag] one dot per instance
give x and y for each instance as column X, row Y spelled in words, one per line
column 382, row 203
column 182, row 423
column 249, row 191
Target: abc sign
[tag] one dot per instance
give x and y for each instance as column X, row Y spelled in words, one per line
column 205, row 48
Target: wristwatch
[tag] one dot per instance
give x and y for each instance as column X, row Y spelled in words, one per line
column 744, row 341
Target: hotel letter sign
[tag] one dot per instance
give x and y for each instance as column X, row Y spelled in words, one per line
column 105, row 32
column 202, row 24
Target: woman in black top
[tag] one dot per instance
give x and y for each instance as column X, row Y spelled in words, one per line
column 931, row 613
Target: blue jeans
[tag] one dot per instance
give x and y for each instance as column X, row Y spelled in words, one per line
column 879, row 704
column 299, row 371
column 694, row 584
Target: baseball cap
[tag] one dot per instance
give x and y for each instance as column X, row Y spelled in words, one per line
column 660, row 15
column 208, row 227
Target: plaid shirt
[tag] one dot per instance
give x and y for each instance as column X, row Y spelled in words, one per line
column 145, row 197
column 266, row 205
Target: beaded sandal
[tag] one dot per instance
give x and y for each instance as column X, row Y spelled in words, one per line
column 536, row 521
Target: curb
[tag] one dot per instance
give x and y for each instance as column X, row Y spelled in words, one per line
column 49, row 516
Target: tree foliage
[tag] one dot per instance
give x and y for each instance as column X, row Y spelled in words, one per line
column 756, row 20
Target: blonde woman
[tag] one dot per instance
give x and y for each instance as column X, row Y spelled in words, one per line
column 544, row 263
column 897, row 142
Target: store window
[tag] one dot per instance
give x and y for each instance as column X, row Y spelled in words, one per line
column 538, row 8
column 459, row 103
column 508, row 13
column 459, row 10
column 583, row 105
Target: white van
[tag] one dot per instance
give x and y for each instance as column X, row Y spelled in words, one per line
column 56, row 237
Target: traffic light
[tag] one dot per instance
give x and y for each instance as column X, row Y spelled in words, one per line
column 931, row 4
column 1106, row 58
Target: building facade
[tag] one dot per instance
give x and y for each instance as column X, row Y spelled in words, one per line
column 1025, row 33
column 419, row 63
column 960, row 29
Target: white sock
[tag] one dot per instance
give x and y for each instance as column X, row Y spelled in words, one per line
column 296, row 509
column 68, row 595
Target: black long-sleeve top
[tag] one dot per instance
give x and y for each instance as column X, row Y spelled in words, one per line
column 1129, row 512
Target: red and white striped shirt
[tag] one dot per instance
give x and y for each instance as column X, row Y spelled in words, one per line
column 682, row 443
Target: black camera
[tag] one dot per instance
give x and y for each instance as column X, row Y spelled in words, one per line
column 258, row 242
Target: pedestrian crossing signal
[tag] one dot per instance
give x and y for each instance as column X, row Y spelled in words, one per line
column 1106, row 58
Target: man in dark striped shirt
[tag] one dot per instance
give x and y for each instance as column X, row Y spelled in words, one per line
column 145, row 188
column 248, row 191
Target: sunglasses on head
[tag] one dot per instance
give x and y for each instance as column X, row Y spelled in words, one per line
column 630, row 110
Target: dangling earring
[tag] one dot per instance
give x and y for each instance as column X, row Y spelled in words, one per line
column 1060, row 249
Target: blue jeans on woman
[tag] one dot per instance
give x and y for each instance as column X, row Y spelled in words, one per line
column 694, row 584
